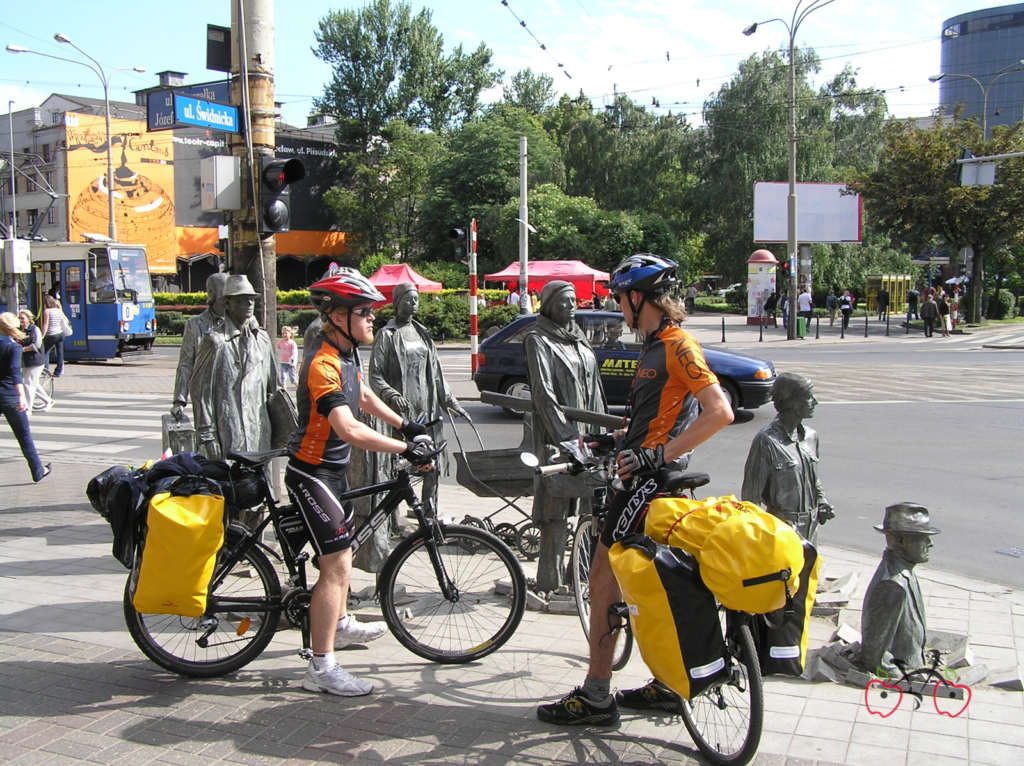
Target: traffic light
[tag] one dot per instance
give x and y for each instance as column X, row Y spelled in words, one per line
column 275, row 178
column 458, row 238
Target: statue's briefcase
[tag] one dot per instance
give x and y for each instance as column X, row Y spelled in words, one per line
column 177, row 435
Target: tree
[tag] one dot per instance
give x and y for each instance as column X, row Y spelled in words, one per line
column 747, row 138
column 530, row 91
column 380, row 207
column 480, row 172
column 390, row 65
column 915, row 194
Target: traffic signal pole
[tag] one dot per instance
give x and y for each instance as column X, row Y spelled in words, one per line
column 474, row 333
column 252, row 86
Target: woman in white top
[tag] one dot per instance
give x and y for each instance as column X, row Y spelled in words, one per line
column 53, row 331
column 32, row 360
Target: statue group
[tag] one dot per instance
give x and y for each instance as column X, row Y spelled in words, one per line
column 227, row 368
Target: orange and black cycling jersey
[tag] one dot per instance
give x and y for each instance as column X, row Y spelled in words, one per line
column 671, row 369
column 329, row 378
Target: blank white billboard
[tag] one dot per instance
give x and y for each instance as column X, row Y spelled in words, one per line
column 824, row 213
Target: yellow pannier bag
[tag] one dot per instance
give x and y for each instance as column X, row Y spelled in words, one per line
column 184, row 533
column 781, row 638
column 750, row 559
column 673, row 616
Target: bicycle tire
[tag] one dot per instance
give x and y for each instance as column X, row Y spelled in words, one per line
column 170, row 640
column 725, row 719
column 506, row 533
column 479, row 621
column 584, row 543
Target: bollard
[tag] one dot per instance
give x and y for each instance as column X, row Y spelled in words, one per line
column 842, row 329
column 908, row 324
column 723, row 329
column 865, row 324
column 886, row 324
column 760, row 332
column 817, row 327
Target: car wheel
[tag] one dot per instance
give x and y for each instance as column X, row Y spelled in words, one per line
column 518, row 388
column 732, row 394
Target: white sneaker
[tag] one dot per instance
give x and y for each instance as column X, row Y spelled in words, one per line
column 335, row 680
column 350, row 631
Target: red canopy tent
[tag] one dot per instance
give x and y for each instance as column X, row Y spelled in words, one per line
column 388, row 276
column 583, row 277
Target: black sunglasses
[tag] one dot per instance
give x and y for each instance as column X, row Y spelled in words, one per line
column 365, row 311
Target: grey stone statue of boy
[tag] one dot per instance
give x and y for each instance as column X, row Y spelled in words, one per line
column 195, row 330
column 235, row 375
column 563, row 372
column 406, row 374
column 893, row 626
column 781, row 472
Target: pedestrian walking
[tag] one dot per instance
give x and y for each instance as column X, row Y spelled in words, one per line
column 846, row 308
column 944, row 315
column 784, row 309
column 53, row 332
column 287, row 356
column 14, row 403
column 770, row 307
column 832, row 305
column 32, row 361
column 929, row 314
column 805, row 305
column 912, row 299
column 882, row 299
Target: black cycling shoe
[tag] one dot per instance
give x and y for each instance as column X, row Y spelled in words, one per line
column 574, row 709
column 654, row 696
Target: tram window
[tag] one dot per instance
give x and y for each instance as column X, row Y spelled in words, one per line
column 101, row 282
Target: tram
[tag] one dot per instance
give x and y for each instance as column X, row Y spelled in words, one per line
column 106, row 293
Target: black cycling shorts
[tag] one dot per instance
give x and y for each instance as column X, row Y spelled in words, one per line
column 315, row 490
column 627, row 510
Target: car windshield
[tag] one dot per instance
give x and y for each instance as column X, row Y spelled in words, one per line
column 131, row 274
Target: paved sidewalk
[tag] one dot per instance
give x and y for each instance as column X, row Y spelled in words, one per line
column 74, row 689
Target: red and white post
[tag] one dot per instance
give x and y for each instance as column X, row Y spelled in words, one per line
column 474, row 336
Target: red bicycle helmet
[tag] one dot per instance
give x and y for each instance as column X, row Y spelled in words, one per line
column 346, row 288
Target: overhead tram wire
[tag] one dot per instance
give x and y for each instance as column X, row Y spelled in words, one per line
column 543, row 47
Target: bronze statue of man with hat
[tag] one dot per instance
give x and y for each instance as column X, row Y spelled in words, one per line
column 234, row 378
column 563, row 372
column 893, row 626
column 195, row 330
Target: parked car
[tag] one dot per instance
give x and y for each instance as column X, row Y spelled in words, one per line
column 502, row 364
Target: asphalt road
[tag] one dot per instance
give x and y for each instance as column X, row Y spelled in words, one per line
column 940, row 423
column 912, row 421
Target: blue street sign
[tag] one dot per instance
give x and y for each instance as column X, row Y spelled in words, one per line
column 205, row 114
column 160, row 103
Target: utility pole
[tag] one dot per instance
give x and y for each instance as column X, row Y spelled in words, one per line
column 252, row 86
column 524, row 224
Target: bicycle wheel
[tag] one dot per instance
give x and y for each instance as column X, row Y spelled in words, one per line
column 725, row 719
column 45, row 387
column 584, row 544
column 237, row 626
column 506, row 533
column 476, row 619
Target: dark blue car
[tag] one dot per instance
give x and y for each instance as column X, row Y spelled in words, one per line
column 746, row 381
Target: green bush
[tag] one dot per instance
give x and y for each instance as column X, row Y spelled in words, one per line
column 179, row 299
column 495, row 316
column 1000, row 305
column 295, row 318
column 170, row 323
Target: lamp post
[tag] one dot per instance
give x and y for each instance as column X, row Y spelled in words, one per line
column 14, row 205
column 1016, row 66
column 800, row 12
column 98, row 70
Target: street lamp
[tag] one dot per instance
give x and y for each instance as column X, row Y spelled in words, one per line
column 800, row 12
column 98, row 70
column 1016, row 66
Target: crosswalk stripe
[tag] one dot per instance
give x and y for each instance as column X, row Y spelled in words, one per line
column 117, row 396
column 59, row 429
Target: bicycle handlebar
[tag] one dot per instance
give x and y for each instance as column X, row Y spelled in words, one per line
column 551, row 470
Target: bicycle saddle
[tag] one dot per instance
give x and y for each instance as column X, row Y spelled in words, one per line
column 257, row 458
column 677, row 480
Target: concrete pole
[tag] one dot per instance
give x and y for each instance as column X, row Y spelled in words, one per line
column 791, row 246
column 13, row 233
column 252, row 56
column 524, row 232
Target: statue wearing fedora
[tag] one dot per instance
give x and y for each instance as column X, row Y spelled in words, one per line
column 195, row 330
column 235, row 376
column 893, row 626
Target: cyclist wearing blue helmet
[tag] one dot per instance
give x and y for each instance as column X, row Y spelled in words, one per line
column 675, row 404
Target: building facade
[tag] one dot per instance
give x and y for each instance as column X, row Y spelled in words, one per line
column 988, row 46
column 60, row 166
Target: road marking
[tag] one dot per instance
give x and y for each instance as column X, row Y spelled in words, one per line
column 921, row 401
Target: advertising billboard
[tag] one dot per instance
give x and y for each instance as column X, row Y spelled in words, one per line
column 824, row 213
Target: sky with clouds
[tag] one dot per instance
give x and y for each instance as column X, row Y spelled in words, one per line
column 675, row 52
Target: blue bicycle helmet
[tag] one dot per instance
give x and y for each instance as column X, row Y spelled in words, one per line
column 646, row 273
